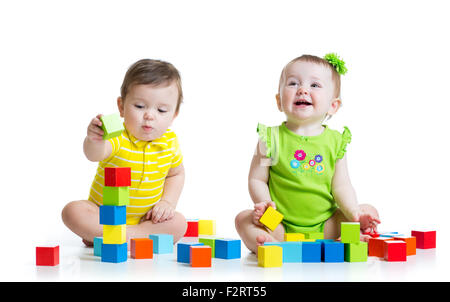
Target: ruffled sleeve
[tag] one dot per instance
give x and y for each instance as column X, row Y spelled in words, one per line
column 346, row 139
column 265, row 136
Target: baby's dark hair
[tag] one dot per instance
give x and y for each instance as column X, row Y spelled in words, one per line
column 153, row 72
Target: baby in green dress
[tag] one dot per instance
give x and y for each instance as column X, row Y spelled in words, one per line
column 300, row 166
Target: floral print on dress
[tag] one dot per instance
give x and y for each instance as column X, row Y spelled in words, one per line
column 302, row 162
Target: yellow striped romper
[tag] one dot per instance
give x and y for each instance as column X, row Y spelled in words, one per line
column 150, row 163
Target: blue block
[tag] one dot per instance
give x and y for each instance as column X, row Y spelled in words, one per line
column 113, row 215
column 183, row 249
column 390, row 234
column 332, row 251
column 292, row 250
column 98, row 241
column 162, row 243
column 311, row 251
column 114, row 253
column 228, row 248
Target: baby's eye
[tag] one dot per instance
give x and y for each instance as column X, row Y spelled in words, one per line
column 162, row 110
column 292, row 83
column 139, row 106
column 316, row 85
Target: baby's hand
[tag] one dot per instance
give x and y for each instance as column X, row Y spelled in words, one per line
column 94, row 132
column 368, row 222
column 161, row 212
column 260, row 208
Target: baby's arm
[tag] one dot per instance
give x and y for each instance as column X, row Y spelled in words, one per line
column 345, row 197
column 173, row 185
column 94, row 147
column 257, row 183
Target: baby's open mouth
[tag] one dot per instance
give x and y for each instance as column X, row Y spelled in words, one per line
column 300, row 103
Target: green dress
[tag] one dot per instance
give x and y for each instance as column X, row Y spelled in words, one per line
column 301, row 173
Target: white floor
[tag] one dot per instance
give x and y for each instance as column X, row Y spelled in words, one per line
column 77, row 263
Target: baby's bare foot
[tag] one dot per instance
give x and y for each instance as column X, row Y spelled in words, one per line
column 263, row 238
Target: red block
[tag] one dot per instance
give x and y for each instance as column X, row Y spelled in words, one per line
column 47, row 255
column 118, row 177
column 192, row 228
column 376, row 246
column 394, row 250
column 425, row 239
column 410, row 244
column 141, row 248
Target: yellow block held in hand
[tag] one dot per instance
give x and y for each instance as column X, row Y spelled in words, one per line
column 271, row 218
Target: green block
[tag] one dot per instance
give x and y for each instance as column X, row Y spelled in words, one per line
column 112, row 125
column 209, row 242
column 116, row 196
column 314, row 235
column 355, row 252
column 350, row 232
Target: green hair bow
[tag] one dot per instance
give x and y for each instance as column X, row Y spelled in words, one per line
column 337, row 62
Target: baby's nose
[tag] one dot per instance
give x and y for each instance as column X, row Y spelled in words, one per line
column 302, row 90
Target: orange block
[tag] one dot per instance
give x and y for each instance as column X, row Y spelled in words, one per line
column 410, row 244
column 376, row 246
column 200, row 256
column 141, row 248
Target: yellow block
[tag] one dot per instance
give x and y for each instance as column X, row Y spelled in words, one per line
column 206, row 227
column 271, row 218
column 114, row 234
column 293, row 236
column 270, row 256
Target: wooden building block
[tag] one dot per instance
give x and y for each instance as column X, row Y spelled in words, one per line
column 332, row 251
column 200, row 256
column 114, row 234
column 355, row 252
column 394, row 250
column 292, row 250
column 98, row 241
column 376, row 246
column 206, row 227
column 350, row 232
column 47, row 255
column 228, row 248
column 117, row 176
column 209, row 242
column 314, row 235
column 113, row 215
column 410, row 244
column 293, row 236
column 311, row 251
column 425, row 239
column 162, row 243
column 270, row 256
column 184, row 250
column 114, row 253
column 116, row 196
column 271, row 218
column 141, row 248
column 112, row 125
column 192, row 228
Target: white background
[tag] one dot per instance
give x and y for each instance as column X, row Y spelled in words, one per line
column 62, row 62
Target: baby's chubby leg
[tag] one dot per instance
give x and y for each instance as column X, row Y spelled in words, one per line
column 82, row 218
column 332, row 229
column 255, row 235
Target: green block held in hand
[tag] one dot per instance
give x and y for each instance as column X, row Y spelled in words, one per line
column 112, row 125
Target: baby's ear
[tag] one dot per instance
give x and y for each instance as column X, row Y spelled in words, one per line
column 120, row 105
column 277, row 96
column 335, row 105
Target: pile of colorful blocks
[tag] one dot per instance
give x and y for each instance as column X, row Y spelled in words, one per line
column 312, row 247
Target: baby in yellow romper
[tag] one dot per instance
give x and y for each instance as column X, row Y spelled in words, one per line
column 150, row 99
